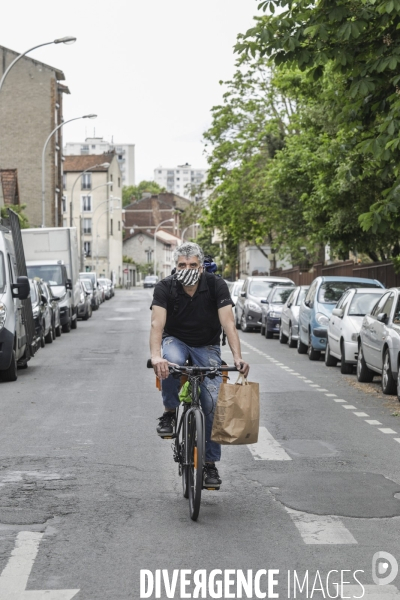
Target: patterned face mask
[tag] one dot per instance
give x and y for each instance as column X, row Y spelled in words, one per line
column 188, row 277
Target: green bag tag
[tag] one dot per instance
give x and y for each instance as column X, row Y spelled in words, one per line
column 185, row 393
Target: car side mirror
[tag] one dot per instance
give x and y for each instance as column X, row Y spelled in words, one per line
column 264, row 301
column 307, row 303
column 382, row 318
column 21, row 289
column 43, row 298
column 337, row 312
column 243, row 294
column 68, row 284
column 56, row 298
column 289, row 305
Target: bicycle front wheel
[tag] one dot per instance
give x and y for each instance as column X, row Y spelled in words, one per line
column 195, row 456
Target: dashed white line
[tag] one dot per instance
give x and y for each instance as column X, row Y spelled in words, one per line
column 361, row 414
column 386, row 430
column 314, row 385
column 320, row 529
column 330, row 395
column 349, row 406
column 373, row 422
column 339, row 400
column 308, row 381
column 321, row 390
column 267, row 448
column 397, row 440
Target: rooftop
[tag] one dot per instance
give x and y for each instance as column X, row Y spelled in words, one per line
column 60, row 75
column 82, row 162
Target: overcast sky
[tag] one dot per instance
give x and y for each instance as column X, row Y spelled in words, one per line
column 150, row 69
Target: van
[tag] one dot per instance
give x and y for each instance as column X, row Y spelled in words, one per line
column 317, row 307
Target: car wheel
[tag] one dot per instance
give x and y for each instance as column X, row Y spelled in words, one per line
column 282, row 337
column 10, row 374
column 74, row 322
column 301, row 347
column 345, row 368
column 262, row 330
column 330, row 361
column 388, row 382
column 58, row 331
column 364, row 375
column 398, row 383
column 49, row 337
column 54, row 331
column 268, row 334
column 67, row 326
column 243, row 325
column 291, row 342
column 237, row 323
column 312, row 353
column 42, row 341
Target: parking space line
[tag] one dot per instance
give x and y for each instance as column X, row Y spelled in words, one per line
column 320, row 529
column 373, row 422
column 386, row 430
column 267, row 448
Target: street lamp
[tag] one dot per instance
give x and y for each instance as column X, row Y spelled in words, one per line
column 105, row 165
column 64, row 40
column 155, row 241
column 91, row 116
column 188, row 227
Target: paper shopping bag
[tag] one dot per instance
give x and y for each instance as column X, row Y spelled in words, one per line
column 237, row 414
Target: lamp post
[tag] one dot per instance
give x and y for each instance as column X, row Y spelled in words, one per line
column 155, row 241
column 188, row 227
column 43, row 164
column 65, row 40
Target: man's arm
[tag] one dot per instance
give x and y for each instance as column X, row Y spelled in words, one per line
column 158, row 319
column 227, row 321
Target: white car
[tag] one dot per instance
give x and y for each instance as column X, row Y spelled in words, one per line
column 345, row 325
column 234, row 289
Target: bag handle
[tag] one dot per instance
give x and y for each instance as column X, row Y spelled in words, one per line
column 241, row 380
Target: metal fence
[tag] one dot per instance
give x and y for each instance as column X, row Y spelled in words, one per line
column 383, row 272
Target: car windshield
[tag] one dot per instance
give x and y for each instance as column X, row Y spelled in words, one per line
column 301, row 296
column 2, row 274
column 280, row 295
column 88, row 284
column 236, row 288
column 260, row 289
column 331, row 292
column 50, row 273
column 362, row 304
column 33, row 292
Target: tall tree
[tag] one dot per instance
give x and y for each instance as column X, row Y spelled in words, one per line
column 136, row 191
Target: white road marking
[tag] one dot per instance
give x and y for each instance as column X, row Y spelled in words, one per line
column 360, row 414
column 397, row 440
column 373, row 422
column 15, row 574
column 302, row 377
column 372, row 592
column 322, row 390
column 349, row 406
column 386, row 430
column 339, row 400
column 320, row 529
column 330, row 395
column 267, row 448
column 308, row 381
column 315, row 385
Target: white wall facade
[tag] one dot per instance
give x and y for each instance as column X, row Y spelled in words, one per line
column 176, row 179
column 97, row 213
column 252, row 260
column 125, row 154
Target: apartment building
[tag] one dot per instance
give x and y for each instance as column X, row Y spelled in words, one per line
column 183, row 180
column 97, row 145
column 31, row 107
column 92, row 202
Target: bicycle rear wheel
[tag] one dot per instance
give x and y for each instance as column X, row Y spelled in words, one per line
column 195, row 456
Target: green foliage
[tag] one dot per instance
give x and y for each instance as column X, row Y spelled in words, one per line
column 130, row 192
column 19, row 210
column 355, row 44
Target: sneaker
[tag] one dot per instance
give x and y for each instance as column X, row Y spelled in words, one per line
column 212, row 479
column 166, row 426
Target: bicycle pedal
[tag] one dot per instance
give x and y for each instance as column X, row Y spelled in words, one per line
column 166, row 437
column 211, row 489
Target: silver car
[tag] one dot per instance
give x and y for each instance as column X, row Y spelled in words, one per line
column 234, row 290
column 272, row 310
column 345, row 324
column 379, row 343
column 289, row 331
column 248, row 306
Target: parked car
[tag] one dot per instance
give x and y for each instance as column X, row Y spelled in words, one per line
column 84, row 305
column 41, row 312
column 97, row 294
column 272, row 310
column 102, row 291
column 248, row 306
column 345, row 324
column 106, row 283
column 54, row 307
column 317, row 307
column 289, row 330
column 88, row 285
column 379, row 343
column 235, row 289
column 150, row 281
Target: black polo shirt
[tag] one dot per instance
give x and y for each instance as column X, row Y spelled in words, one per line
column 195, row 320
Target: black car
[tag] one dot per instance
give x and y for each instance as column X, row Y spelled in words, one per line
column 41, row 312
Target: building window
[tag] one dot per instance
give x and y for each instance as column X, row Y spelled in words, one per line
column 160, row 172
column 87, row 248
column 87, row 226
column 84, row 149
column 64, row 204
column 168, row 253
column 94, row 146
column 64, row 181
column 111, row 227
column 86, row 203
column 149, row 255
column 119, row 156
column 86, row 180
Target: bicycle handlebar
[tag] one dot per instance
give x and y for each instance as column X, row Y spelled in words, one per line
column 189, row 369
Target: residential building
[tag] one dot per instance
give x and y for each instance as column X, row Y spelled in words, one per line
column 31, row 107
column 94, row 193
column 259, row 260
column 151, row 210
column 97, row 145
column 183, row 180
column 9, row 190
column 139, row 246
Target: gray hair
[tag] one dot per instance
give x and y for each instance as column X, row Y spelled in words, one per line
column 188, row 249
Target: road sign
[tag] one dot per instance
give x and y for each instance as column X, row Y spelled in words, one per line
column 126, row 270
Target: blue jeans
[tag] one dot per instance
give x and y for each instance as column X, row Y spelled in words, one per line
column 177, row 352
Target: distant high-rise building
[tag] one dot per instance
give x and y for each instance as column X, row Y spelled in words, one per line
column 182, row 180
column 96, row 145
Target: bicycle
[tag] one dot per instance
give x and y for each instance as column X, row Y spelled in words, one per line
column 189, row 434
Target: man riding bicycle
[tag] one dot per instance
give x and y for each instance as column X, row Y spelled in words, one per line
column 188, row 310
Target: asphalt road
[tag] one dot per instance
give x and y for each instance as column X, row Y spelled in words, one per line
column 90, row 496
